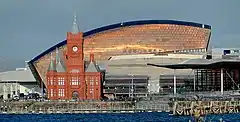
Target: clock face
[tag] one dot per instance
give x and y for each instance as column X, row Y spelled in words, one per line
column 75, row 48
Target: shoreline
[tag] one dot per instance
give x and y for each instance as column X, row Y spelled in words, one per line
column 85, row 112
column 52, row 107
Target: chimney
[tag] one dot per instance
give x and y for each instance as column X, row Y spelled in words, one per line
column 91, row 57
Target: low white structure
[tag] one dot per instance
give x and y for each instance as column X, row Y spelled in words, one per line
column 19, row 81
column 137, row 65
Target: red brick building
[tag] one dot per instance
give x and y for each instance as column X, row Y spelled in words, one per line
column 67, row 77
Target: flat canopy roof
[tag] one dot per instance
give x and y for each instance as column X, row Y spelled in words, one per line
column 202, row 64
column 19, row 76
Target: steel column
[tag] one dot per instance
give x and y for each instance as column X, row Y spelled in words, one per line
column 174, row 83
column 221, row 81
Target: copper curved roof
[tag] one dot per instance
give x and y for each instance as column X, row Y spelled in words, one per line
column 123, row 24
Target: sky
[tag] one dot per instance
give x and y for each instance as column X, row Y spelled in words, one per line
column 28, row 27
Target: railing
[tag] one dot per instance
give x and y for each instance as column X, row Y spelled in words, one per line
column 136, row 90
column 124, row 84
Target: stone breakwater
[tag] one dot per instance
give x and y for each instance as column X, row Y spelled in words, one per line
column 201, row 108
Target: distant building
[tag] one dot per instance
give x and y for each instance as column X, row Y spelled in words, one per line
column 125, row 86
column 68, row 77
column 125, row 48
column 184, row 83
column 226, row 53
column 16, row 82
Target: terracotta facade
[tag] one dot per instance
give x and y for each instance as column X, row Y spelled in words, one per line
column 68, row 78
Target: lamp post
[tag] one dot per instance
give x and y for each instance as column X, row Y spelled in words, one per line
column 174, row 83
column 4, row 90
column 221, row 81
column 131, row 89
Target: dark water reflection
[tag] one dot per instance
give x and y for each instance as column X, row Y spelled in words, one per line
column 114, row 117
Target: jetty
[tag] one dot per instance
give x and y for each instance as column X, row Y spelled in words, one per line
column 186, row 108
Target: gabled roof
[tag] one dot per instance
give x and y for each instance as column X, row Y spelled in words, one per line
column 60, row 64
column 92, row 67
column 60, row 67
column 52, row 65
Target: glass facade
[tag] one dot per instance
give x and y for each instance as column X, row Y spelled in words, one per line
column 125, row 86
column 210, row 80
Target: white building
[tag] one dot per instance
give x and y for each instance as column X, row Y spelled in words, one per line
column 19, row 81
column 137, row 65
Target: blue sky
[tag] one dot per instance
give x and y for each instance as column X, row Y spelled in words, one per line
column 28, row 27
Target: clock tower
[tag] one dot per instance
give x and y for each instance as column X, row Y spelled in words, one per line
column 74, row 57
column 68, row 79
column 75, row 63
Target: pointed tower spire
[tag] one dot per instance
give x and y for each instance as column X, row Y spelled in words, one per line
column 91, row 56
column 57, row 56
column 60, row 67
column 52, row 65
column 75, row 29
column 92, row 66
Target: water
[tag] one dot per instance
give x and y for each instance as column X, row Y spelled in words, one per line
column 126, row 117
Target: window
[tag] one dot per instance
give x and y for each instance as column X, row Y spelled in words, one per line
column 51, row 81
column 54, row 92
column 75, row 81
column 61, row 92
column 236, row 51
column 91, row 91
column 51, row 92
column 75, row 71
column 55, row 81
column 91, row 81
column 96, row 80
column 60, row 81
